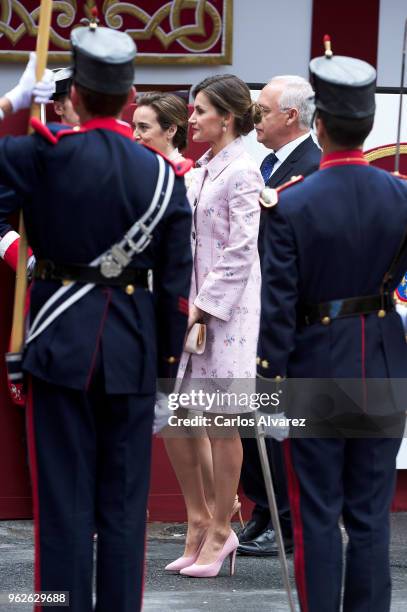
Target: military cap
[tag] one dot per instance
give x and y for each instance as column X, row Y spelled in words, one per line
column 344, row 86
column 63, row 82
column 103, row 59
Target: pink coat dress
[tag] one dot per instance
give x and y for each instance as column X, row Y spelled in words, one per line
column 224, row 194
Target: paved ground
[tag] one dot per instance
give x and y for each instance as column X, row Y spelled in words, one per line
column 255, row 586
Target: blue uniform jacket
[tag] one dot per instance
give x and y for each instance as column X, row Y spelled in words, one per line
column 8, row 201
column 80, row 195
column 333, row 236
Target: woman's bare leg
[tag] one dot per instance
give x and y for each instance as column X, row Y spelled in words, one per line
column 227, row 457
column 204, row 449
column 185, row 458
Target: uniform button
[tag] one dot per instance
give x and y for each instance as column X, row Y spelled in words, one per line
column 193, row 235
column 66, row 282
column 278, row 379
column 325, row 320
column 264, row 363
column 381, row 313
column 129, row 289
column 258, row 360
column 171, row 360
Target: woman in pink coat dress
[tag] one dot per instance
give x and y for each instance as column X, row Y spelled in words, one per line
column 225, row 294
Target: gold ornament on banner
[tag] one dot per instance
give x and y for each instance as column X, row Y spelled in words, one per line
column 114, row 15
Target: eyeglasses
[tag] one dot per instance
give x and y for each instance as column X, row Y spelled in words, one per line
column 262, row 111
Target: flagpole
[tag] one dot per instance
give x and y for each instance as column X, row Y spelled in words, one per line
column 17, row 331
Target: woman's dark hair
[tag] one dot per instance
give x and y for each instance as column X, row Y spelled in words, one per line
column 349, row 133
column 170, row 110
column 229, row 94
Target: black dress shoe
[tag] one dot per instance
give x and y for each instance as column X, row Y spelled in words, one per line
column 250, row 531
column 264, row 545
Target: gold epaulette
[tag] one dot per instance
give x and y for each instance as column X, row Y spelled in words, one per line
column 269, row 197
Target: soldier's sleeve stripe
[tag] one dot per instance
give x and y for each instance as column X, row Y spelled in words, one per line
column 42, row 129
column 7, row 240
column 9, row 249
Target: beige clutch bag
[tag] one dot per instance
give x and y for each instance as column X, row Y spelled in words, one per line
column 196, row 339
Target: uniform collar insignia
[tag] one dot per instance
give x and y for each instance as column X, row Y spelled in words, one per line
column 99, row 123
column 108, row 123
column 343, row 158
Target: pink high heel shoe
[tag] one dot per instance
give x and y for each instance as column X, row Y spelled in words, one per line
column 181, row 562
column 210, row 570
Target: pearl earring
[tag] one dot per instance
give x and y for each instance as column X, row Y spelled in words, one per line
column 223, row 127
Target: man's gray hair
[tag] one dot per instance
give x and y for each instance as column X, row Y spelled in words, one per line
column 297, row 93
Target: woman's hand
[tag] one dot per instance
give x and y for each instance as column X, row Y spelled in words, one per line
column 195, row 314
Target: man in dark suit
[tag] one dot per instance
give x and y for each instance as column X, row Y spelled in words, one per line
column 335, row 250
column 286, row 105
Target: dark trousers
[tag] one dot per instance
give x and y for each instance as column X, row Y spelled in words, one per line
column 90, row 466
column 253, row 483
column 354, row 478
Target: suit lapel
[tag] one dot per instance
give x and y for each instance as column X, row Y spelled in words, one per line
column 281, row 173
column 286, row 170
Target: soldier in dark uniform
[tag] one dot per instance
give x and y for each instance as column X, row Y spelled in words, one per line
column 61, row 97
column 327, row 314
column 98, row 337
column 287, row 132
column 9, row 239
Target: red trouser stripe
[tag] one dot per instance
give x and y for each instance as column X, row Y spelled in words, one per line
column 299, row 554
column 35, row 495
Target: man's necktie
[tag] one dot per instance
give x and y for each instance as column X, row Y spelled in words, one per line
column 268, row 165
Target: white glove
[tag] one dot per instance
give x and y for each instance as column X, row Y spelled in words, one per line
column 273, row 425
column 30, row 268
column 161, row 412
column 44, row 89
column 20, row 96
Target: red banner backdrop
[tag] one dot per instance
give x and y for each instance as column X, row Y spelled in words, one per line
column 353, row 27
column 15, row 490
column 166, row 31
